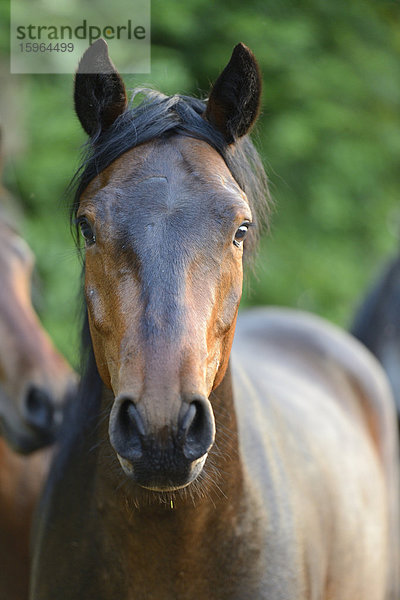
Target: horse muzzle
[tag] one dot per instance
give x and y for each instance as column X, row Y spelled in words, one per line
column 35, row 422
column 164, row 458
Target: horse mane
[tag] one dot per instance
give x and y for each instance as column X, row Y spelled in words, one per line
column 157, row 116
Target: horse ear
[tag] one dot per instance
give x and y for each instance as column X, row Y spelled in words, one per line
column 99, row 95
column 234, row 100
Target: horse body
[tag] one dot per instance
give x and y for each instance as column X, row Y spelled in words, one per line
column 186, row 474
column 322, row 410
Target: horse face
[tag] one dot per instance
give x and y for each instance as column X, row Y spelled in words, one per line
column 164, row 226
column 164, row 229
column 34, row 378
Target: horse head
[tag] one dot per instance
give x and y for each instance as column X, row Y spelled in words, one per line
column 35, row 380
column 165, row 225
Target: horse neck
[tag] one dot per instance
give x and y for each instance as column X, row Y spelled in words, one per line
column 155, row 546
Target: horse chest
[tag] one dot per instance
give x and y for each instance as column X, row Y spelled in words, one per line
column 169, row 559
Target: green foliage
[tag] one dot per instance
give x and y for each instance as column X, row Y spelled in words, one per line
column 329, row 135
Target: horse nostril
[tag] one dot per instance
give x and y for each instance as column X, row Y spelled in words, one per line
column 127, row 430
column 38, row 409
column 197, row 429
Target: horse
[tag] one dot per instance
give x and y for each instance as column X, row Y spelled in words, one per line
column 35, row 381
column 377, row 323
column 188, row 471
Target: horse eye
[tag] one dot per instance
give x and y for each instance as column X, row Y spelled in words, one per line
column 241, row 234
column 87, row 231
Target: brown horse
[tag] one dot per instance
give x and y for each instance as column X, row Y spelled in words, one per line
column 34, row 383
column 187, row 475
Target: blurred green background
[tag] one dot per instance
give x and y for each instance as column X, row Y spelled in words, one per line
column 329, row 135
